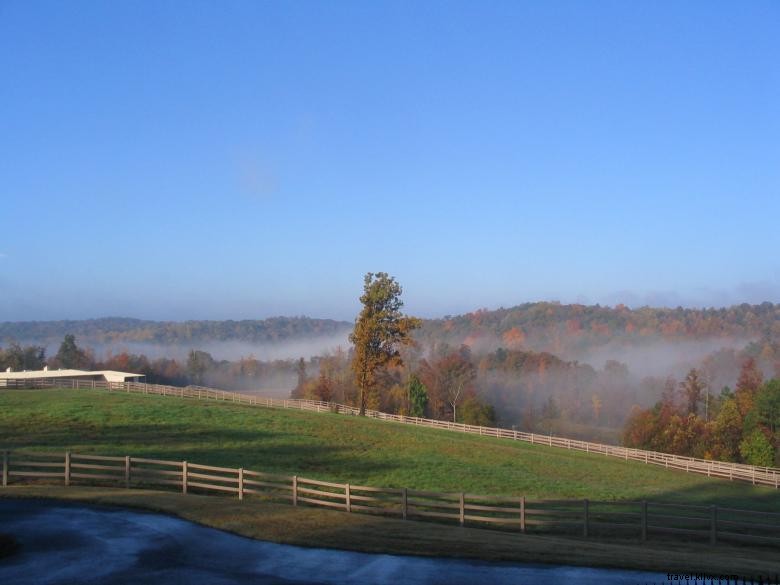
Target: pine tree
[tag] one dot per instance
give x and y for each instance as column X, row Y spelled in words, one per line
column 71, row 355
column 418, row 397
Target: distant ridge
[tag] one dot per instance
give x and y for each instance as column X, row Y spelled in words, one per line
column 566, row 329
column 123, row 329
column 543, row 326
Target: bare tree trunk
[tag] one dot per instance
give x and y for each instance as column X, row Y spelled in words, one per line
column 363, row 384
column 454, row 402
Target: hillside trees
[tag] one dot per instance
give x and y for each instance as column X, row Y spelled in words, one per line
column 745, row 428
column 756, row 449
column 70, row 355
column 380, row 329
column 18, row 358
column 750, row 379
column 692, row 389
column 198, row 363
column 456, row 376
column 474, row 411
column 727, row 431
column 767, row 406
column 333, row 383
column 300, row 371
column 418, row 397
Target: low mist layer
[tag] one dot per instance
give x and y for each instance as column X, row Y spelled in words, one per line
column 544, row 366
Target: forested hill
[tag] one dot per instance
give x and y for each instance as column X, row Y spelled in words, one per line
column 123, row 330
column 569, row 329
column 557, row 328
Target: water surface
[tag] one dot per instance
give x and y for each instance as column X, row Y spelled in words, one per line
column 72, row 543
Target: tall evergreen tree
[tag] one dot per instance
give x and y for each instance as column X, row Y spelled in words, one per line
column 70, row 355
column 418, row 397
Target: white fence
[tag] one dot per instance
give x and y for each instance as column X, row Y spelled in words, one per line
column 769, row 476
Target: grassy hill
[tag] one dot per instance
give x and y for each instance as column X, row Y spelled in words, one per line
column 343, row 448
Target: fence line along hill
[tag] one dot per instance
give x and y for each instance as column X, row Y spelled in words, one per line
column 767, row 476
column 582, row 518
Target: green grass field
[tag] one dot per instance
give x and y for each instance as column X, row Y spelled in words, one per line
column 343, row 448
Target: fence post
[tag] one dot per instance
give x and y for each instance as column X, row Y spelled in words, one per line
column 404, row 505
column 347, row 497
column 713, row 524
column 522, row 514
column 184, row 477
column 127, row 471
column 462, row 508
column 644, row 520
column 240, row 483
column 67, row 468
column 295, row 490
column 585, row 518
column 5, row 468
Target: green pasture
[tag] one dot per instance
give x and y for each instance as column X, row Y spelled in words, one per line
column 343, row 448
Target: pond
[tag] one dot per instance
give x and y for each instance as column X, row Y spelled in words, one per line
column 64, row 544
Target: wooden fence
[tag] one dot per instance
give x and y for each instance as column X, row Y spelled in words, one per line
column 582, row 518
column 768, row 476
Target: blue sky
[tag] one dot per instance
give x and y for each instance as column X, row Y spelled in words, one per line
column 188, row 160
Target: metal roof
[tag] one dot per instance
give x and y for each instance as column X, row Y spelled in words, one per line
column 109, row 375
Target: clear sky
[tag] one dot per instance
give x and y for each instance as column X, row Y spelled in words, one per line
column 189, row 160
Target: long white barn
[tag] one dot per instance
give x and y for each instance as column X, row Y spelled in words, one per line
column 11, row 378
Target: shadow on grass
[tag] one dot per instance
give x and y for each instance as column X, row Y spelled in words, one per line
column 722, row 493
column 256, row 450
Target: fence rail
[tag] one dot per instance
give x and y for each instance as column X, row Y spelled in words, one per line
column 582, row 518
column 768, row 476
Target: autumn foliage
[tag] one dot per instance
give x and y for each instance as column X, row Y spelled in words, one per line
column 741, row 426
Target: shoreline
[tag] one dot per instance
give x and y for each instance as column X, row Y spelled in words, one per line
column 316, row 528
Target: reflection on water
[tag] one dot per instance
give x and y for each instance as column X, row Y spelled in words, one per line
column 65, row 544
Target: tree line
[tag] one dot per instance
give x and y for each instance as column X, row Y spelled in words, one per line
column 565, row 330
column 740, row 425
column 392, row 366
column 571, row 329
